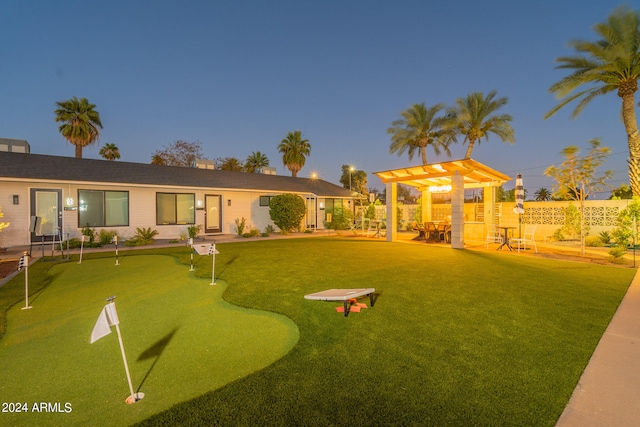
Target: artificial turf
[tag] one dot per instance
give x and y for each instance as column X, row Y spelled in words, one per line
column 455, row 337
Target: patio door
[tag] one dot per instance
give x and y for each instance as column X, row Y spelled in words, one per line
column 46, row 204
column 213, row 213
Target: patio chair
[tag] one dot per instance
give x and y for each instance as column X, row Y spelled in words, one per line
column 431, row 232
column 493, row 236
column 527, row 238
column 420, row 229
column 445, row 233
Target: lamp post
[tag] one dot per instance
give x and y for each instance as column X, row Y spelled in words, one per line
column 351, row 169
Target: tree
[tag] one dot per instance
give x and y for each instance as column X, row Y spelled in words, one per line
column 355, row 180
column 294, row 150
column 475, row 118
column 110, row 152
column 609, row 64
column 622, row 192
column 543, row 195
column 575, row 177
column 255, row 161
column 419, row 128
column 286, row 211
column 80, row 122
column 232, row 164
column 180, row 153
column 2, row 224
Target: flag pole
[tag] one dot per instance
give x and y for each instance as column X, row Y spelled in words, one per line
column 134, row 397
column 115, row 239
column 191, row 247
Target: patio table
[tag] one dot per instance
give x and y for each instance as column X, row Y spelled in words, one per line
column 505, row 236
column 342, row 295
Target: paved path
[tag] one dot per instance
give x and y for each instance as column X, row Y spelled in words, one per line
column 608, row 392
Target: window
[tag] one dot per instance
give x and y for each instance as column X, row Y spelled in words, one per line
column 175, row 208
column 103, row 208
column 265, row 200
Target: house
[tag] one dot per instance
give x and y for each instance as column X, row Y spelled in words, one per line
column 68, row 193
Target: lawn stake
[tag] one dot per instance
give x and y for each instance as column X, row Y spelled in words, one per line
column 24, row 263
column 115, row 240
column 109, row 317
column 213, row 252
column 190, row 244
column 81, row 247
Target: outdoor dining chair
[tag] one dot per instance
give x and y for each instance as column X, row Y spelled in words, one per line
column 527, row 238
column 431, row 232
column 415, row 226
column 493, row 236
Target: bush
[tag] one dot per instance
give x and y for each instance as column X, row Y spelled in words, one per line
column 143, row 236
column 240, row 224
column 286, row 211
column 618, row 251
column 605, row 237
column 269, row 229
column 341, row 218
column 593, row 241
column 91, row 234
column 194, row 230
column 105, row 237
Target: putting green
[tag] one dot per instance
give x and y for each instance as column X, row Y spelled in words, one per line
column 181, row 340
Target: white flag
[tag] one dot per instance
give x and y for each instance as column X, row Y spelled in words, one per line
column 108, row 318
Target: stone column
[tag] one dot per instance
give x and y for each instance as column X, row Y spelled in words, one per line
column 392, row 211
column 457, row 211
column 426, row 206
column 489, row 197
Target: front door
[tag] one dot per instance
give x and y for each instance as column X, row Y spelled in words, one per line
column 46, row 204
column 213, row 213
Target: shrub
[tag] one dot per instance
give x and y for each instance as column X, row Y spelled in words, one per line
column 557, row 235
column 269, row 229
column 605, row 237
column 240, row 224
column 143, row 236
column 254, row 232
column 91, row 234
column 593, row 241
column 618, row 251
column 286, row 211
column 105, row 237
column 340, row 217
column 265, row 234
column 194, row 230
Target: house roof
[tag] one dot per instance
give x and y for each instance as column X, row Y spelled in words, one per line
column 475, row 174
column 19, row 166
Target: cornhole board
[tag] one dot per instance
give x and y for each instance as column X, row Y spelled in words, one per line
column 342, row 295
column 203, row 249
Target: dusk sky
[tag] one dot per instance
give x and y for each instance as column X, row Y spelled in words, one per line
column 238, row 75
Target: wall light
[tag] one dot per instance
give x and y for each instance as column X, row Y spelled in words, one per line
column 16, row 199
column 229, row 202
column 199, row 203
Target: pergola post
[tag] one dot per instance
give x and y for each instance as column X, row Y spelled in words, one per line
column 426, row 206
column 392, row 211
column 457, row 211
column 489, row 198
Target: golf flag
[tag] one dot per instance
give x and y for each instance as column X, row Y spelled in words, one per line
column 22, row 263
column 108, row 318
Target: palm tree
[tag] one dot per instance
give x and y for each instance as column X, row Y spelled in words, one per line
column 543, row 195
column 255, row 161
column 294, row 150
column 110, row 152
column 231, row 164
column 80, row 122
column 418, row 128
column 606, row 65
column 474, row 118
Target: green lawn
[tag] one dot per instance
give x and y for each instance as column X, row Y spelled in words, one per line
column 455, row 337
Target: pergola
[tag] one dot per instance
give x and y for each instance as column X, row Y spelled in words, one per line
column 454, row 176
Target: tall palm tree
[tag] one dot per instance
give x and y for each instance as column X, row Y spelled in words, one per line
column 418, row 128
column 255, row 161
column 294, row 150
column 606, row 65
column 475, row 118
column 80, row 122
column 110, row 152
column 157, row 159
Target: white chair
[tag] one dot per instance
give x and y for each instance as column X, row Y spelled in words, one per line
column 527, row 238
column 493, row 236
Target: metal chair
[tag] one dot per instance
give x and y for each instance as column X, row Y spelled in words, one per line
column 493, row 236
column 527, row 238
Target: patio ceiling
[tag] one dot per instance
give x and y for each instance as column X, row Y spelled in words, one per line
column 475, row 174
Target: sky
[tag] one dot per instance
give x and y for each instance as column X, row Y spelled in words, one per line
column 237, row 76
